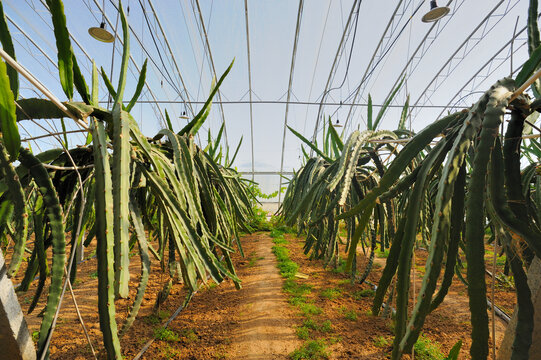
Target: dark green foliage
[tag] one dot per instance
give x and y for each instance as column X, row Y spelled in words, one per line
column 54, row 214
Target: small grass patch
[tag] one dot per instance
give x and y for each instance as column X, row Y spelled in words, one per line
column 210, row 285
column 189, row 335
column 276, row 233
column 331, row 294
column 382, row 254
column 170, row 352
column 349, row 314
column 295, row 289
column 381, row 342
column 359, row 294
column 341, row 268
column 94, row 275
column 303, row 333
column 254, row 259
column 156, row 318
column 281, row 253
column 288, row 268
column 280, row 241
column 309, row 309
column 296, row 300
column 166, row 335
column 425, row 349
column 326, row 326
column 310, row 324
column 315, row 349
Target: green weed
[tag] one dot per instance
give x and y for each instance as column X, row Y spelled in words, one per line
column 382, row 254
column 189, row 335
column 349, row 314
column 276, row 233
column 165, row 334
column 295, row 289
column 341, row 268
column 331, row 294
column 315, row 349
column 156, row 318
column 310, row 324
column 170, row 353
column 381, row 342
column 303, row 333
column 309, row 309
column 280, row 241
column 425, row 349
column 326, row 326
column 254, row 259
column 357, row 295
column 288, row 268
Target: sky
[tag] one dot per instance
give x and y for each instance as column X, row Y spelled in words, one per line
column 469, row 48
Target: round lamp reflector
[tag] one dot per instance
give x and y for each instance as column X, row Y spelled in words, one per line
column 99, row 33
column 435, row 14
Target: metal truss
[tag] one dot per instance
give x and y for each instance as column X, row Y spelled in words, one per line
column 424, row 45
column 501, row 57
column 385, row 44
column 469, row 44
column 345, row 35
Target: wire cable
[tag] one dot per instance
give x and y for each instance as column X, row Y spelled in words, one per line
column 249, row 83
column 291, row 73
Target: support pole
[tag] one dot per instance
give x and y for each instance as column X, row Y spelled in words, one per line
column 15, row 339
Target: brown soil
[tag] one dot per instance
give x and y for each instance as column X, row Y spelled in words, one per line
column 255, row 322
column 362, row 339
column 220, row 321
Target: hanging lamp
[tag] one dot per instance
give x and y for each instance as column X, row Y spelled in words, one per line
column 100, row 33
column 436, row 12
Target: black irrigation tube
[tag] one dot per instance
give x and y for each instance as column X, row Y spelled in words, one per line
column 383, row 304
column 181, row 307
column 501, row 314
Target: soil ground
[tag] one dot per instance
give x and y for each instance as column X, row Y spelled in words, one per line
column 257, row 322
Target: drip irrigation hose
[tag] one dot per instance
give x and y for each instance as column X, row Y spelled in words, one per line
column 181, row 307
column 501, row 314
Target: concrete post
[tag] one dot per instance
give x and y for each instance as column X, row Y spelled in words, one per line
column 15, row 340
column 534, row 281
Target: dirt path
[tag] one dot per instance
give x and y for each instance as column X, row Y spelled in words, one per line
column 265, row 328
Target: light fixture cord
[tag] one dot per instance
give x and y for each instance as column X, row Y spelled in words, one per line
column 103, row 13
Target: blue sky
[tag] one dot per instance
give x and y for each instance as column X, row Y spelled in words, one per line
column 272, row 30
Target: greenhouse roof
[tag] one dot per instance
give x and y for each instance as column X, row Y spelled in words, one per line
column 295, row 63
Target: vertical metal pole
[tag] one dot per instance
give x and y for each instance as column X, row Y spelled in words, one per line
column 293, row 56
